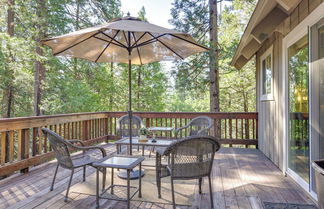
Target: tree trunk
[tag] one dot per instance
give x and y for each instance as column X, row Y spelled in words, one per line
column 77, row 27
column 213, row 65
column 39, row 74
column 112, row 77
column 213, row 58
column 7, row 98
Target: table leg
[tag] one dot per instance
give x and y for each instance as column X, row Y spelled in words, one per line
column 140, row 181
column 117, row 148
column 112, row 180
column 97, row 189
column 143, row 150
column 128, row 189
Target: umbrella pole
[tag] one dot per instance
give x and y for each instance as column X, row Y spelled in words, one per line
column 130, row 114
column 134, row 174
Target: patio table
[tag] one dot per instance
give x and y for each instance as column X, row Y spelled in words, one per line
column 120, row 162
column 161, row 129
column 158, row 143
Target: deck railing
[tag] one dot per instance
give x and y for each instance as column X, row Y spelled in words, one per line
column 23, row 145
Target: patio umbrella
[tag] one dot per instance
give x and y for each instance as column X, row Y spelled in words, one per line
column 125, row 40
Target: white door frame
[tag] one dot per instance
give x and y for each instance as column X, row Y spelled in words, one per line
column 298, row 32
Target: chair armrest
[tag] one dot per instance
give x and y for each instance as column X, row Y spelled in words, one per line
column 72, row 141
column 103, row 151
column 161, row 150
column 179, row 129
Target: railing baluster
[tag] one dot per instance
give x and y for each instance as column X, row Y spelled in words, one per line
column 225, row 136
column 236, row 129
column 11, row 145
column 230, row 130
column 23, row 146
column 3, row 147
column 34, row 147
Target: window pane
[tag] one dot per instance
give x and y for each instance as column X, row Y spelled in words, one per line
column 298, row 158
column 266, row 75
column 321, row 42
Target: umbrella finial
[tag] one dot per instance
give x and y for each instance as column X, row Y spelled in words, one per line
column 128, row 14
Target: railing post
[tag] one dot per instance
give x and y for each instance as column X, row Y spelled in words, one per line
column 23, row 146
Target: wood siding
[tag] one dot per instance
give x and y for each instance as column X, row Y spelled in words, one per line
column 270, row 120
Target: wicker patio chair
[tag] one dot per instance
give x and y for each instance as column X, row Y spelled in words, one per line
column 123, row 126
column 198, row 126
column 189, row 158
column 61, row 148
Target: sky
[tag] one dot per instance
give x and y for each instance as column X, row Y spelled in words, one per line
column 157, row 11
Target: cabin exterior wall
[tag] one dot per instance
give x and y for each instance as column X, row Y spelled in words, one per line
column 271, row 112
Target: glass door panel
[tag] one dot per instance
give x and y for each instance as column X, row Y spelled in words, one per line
column 298, row 142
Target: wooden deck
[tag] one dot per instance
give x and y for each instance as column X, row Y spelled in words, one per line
column 242, row 179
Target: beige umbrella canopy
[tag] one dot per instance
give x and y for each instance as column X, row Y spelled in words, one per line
column 125, row 40
column 112, row 42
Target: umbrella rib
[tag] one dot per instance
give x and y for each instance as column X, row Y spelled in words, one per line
column 139, row 55
column 139, row 39
column 116, row 44
column 167, row 46
column 106, row 46
column 114, row 40
column 146, row 43
column 125, row 38
column 149, row 41
column 189, row 41
column 75, row 44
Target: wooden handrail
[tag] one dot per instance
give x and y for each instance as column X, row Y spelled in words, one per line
column 22, row 144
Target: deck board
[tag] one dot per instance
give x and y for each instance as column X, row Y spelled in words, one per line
column 241, row 179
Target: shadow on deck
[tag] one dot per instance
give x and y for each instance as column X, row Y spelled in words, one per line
column 242, row 178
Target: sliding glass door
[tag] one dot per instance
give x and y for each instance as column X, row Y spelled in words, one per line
column 298, row 105
column 317, row 89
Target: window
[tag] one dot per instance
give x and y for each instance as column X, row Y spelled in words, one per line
column 266, row 75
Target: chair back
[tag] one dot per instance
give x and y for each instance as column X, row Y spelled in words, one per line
column 123, row 126
column 200, row 126
column 60, row 147
column 192, row 157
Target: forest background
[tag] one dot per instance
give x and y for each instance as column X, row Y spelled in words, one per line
column 33, row 82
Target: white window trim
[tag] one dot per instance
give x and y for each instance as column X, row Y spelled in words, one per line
column 266, row 97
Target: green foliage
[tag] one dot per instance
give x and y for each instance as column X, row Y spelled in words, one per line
column 237, row 88
column 74, row 85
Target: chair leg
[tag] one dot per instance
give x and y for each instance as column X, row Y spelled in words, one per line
column 158, row 174
column 172, row 191
column 84, row 173
column 52, row 186
column 200, row 181
column 211, row 193
column 68, row 189
column 104, row 172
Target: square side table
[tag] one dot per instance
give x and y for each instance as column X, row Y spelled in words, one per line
column 120, row 162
